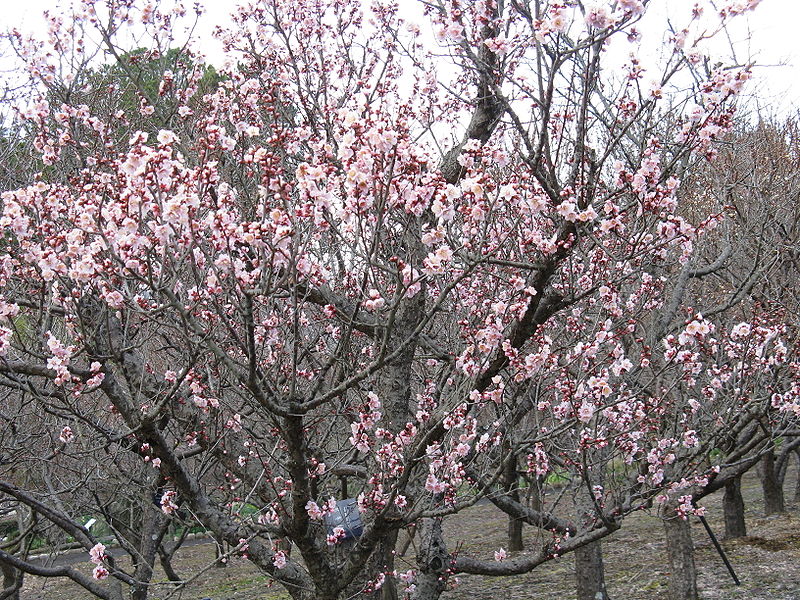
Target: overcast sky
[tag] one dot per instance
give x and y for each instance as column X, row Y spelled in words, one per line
column 768, row 35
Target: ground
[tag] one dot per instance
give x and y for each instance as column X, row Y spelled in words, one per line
column 636, row 568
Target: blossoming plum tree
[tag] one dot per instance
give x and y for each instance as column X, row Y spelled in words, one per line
column 754, row 257
column 371, row 266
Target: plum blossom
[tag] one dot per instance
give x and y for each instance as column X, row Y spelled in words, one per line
column 436, row 262
column 434, row 485
column 499, row 45
column 598, row 16
column 634, row 7
column 375, row 301
column 411, row 279
column 537, row 461
column 166, row 137
column 60, row 358
column 451, row 32
column 168, row 505
column 697, row 329
column 585, row 412
column 235, row 423
column 690, row 439
column 686, row 508
column 407, row 578
column 100, row 572
column 318, row 513
column 97, row 554
column 66, row 435
column 568, row 210
column 279, row 559
column 740, row 331
column 336, row 536
column 500, row 555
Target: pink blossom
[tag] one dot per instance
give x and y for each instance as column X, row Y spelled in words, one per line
column 66, row 435
column 740, row 331
column 585, row 412
column 598, row 16
column 168, row 505
column 336, row 536
column 374, row 302
column 313, row 510
column 279, row 559
column 634, row 7
column 97, row 554
column 100, row 572
column 434, row 485
column 166, row 137
column 235, row 423
column 499, row 45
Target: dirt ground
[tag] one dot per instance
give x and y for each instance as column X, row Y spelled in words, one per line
column 767, row 562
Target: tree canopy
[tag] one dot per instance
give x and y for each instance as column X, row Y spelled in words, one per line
column 361, row 265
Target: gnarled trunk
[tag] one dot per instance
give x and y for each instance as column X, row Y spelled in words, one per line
column 515, row 540
column 590, row 575
column 733, row 508
column 154, row 526
column 12, row 582
column 432, row 560
column 590, row 572
column 797, row 485
column 680, row 550
column 772, row 489
column 511, row 485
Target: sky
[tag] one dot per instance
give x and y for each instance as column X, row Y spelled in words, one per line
column 768, row 35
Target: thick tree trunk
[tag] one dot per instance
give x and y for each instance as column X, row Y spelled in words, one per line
column 773, row 491
column 167, row 551
column 590, row 572
column 154, row 526
column 733, row 507
column 680, row 550
column 511, row 485
column 12, row 582
column 797, row 484
column 590, row 578
column 515, row 541
column 432, row 560
column 380, row 561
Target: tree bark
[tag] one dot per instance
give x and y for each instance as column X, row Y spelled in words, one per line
column 12, row 582
column 590, row 577
column 380, row 561
column 221, row 561
column 797, row 484
column 590, row 572
column 154, row 526
column 433, row 561
column 772, row 490
column 511, row 484
column 515, row 541
column 733, row 508
column 680, row 550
